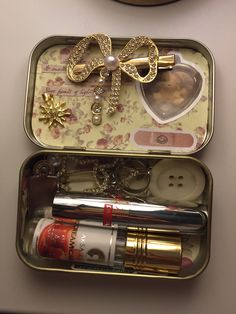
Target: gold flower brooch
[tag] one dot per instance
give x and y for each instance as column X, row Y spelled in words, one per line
column 112, row 65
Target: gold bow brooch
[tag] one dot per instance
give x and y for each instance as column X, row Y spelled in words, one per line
column 114, row 65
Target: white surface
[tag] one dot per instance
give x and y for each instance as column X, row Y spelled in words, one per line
column 23, row 23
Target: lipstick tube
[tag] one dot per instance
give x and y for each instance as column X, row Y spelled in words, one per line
column 129, row 213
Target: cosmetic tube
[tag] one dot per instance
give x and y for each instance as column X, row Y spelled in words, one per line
column 111, row 211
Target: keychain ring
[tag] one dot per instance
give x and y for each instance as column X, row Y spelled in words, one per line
column 132, row 172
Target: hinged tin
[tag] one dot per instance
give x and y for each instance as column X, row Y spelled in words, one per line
column 155, row 125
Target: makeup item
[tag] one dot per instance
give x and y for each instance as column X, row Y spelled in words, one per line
column 131, row 249
column 113, row 65
column 177, row 180
column 128, row 213
column 152, row 139
column 53, row 113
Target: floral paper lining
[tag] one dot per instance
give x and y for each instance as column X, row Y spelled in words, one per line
column 116, row 132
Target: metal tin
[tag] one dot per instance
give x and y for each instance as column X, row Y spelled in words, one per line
column 193, row 124
column 45, row 185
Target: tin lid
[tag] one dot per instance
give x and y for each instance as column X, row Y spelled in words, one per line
column 173, row 114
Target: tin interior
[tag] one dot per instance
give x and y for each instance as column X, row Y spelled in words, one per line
column 173, row 114
column 37, row 189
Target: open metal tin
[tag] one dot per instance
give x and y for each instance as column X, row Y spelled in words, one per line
column 156, row 124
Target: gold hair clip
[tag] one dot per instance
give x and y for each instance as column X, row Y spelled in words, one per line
column 52, row 112
column 110, row 63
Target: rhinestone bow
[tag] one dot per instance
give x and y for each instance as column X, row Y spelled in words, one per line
column 111, row 64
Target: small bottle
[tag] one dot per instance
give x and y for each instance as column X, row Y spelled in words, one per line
column 130, row 249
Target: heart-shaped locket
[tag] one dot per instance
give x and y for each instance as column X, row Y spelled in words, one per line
column 173, row 93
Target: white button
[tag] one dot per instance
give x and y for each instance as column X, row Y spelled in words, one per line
column 177, row 180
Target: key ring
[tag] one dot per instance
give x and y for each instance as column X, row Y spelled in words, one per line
column 132, row 176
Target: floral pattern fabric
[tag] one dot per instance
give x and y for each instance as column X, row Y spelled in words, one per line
column 116, row 132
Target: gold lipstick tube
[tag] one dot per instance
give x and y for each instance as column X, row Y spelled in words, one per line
column 152, row 252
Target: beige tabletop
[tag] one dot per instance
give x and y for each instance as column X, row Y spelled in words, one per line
column 23, row 24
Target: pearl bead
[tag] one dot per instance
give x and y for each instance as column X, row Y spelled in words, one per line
column 97, row 119
column 111, row 62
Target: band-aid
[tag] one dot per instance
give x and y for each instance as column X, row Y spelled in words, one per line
column 148, row 138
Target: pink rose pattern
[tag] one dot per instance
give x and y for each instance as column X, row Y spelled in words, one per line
column 108, row 139
column 55, row 132
column 102, row 143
